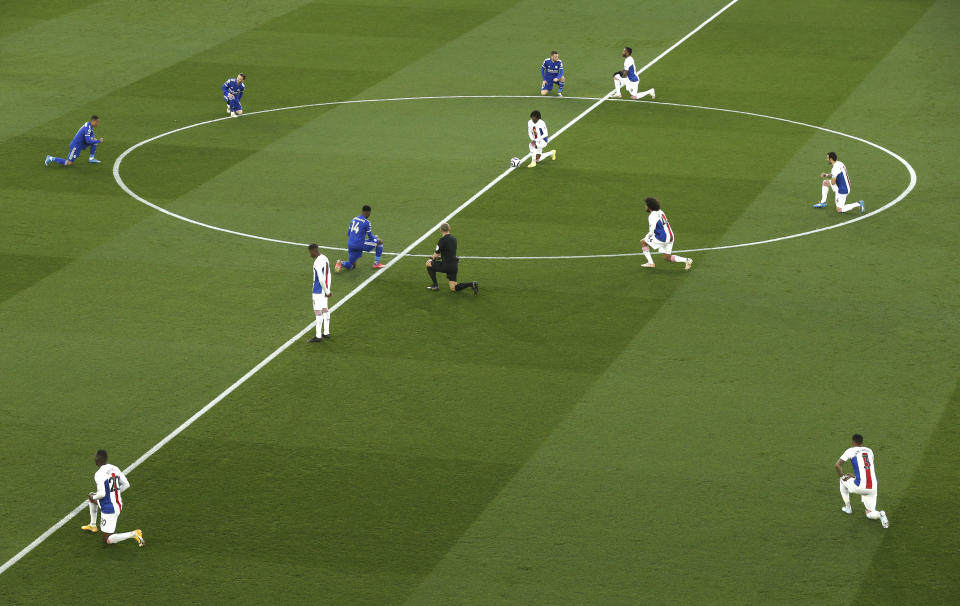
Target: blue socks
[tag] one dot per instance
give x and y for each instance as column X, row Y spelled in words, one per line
column 61, row 161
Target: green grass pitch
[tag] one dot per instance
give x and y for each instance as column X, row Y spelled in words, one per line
column 582, row 432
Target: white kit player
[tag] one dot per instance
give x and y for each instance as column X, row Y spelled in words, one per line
column 660, row 236
column 110, row 482
column 839, row 182
column 628, row 77
column 863, row 481
column 321, row 293
column 537, row 131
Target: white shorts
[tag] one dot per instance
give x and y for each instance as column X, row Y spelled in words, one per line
column 869, row 497
column 108, row 522
column 664, row 247
column 319, row 302
column 537, row 146
column 839, row 199
column 632, row 87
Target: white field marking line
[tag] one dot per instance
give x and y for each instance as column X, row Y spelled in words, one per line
column 138, row 198
column 899, row 198
column 16, row 558
column 123, row 186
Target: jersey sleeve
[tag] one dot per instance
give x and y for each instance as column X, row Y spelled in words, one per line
column 321, row 270
column 560, row 74
column 240, row 90
column 848, row 454
column 226, row 89
column 124, row 482
column 652, row 222
column 368, row 234
column 101, row 489
column 88, row 136
column 543, row 70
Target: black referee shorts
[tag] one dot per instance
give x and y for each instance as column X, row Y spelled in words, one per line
column 446, row 267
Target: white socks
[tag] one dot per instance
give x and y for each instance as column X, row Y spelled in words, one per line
column 93, row 513
column 645, row 93
column 823, row 194
column 845, row 493
column 646, row 254
column 677, row 259
column 120, row 536
column 323, row 324
column 873, row 515
column 850, row 206
column 617, row 83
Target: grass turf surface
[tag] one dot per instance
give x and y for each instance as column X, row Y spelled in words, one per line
column 581, row 432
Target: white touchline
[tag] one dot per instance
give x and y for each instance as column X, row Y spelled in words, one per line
column 16, row 558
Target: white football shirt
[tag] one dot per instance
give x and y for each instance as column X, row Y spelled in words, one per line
column 631, row 69
column 839, row 171
column 660, row 226
column 861, row 457
column 321, row 275
column 110, row 482
column 538, row 130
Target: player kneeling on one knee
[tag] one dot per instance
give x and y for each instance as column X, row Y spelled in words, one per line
column 110, row 482
column 445, row 260
column 660, row 236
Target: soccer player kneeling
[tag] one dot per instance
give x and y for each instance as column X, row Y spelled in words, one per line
column 660, row 236
column 110, row 482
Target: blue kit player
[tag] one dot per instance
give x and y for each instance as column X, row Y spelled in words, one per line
column 232, row 93
column 81, row 141
column 552, row 71
column 360, row 239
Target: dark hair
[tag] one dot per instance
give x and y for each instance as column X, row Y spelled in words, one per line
column 653, row 203
column 102, row 453
column 628, row 49
column 534, row 115
column 832, row 156
column 365, row 208
column 242, row 75
column 857, row 438
column 94, row 117
column 313, row 247
column 554, row 52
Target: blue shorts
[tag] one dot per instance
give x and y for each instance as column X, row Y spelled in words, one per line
column 354, row 254
column 234, row 104
column 76, row 148
column 549, row 84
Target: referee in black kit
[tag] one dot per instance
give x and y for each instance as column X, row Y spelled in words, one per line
column 445, row 260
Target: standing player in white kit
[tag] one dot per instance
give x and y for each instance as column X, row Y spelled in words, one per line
column 321, row 293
